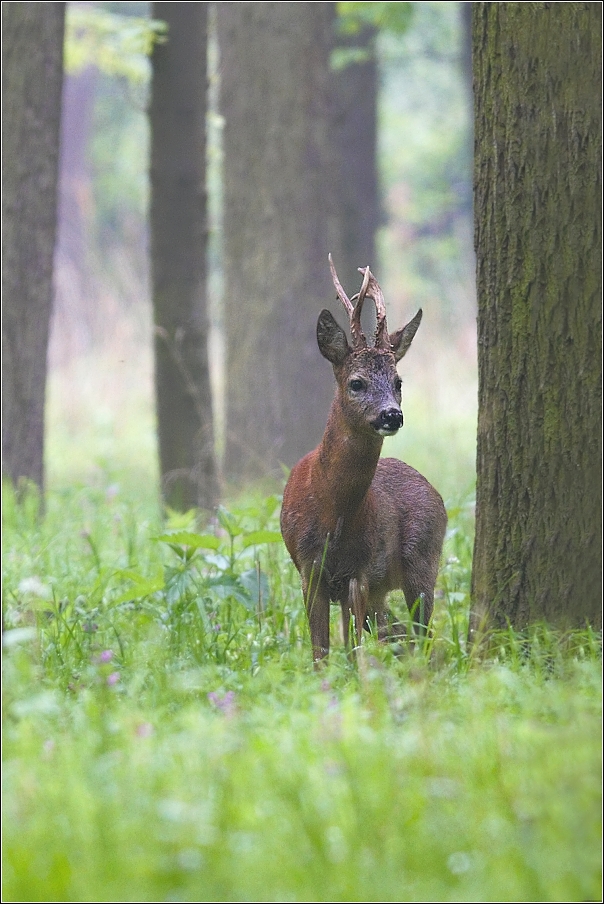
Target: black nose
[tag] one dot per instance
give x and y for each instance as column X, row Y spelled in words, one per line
column 391, row 419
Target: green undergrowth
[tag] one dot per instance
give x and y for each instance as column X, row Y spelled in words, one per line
column 167, row 739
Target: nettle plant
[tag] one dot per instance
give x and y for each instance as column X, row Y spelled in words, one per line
column 158, row 599
column 213, row 596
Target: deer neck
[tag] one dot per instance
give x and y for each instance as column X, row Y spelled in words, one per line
column 345, row 464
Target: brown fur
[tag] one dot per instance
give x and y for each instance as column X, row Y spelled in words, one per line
column 355, row 525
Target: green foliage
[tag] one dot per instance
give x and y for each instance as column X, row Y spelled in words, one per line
column 425, row 160
column 355, row 19
column 391, row 17
column 118, row 45
column 166, row 737
column 119, row 143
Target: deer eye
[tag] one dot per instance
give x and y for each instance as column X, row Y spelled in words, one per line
column 398, row 384
column 357, row 385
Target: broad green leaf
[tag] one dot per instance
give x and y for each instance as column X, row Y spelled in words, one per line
column 228, row 521
column 142, row 587
column 229, row 587
column 187, row 538
column 257, row 589
column 255, row 538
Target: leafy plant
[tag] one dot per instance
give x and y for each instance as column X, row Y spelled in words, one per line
column 165, row 733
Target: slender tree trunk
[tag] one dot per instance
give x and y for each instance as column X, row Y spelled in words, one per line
column 355, row 135
column 32, row 49
column 537, row 84
column 280, row 223
column 178, row 246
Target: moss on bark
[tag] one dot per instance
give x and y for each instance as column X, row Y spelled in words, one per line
column 537, row 85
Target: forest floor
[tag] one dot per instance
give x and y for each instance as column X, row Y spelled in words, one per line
column 167, row 739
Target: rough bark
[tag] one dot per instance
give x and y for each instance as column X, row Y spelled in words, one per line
column 279, row 177
column 32, row 48
column 537, row 84
column 178, row 245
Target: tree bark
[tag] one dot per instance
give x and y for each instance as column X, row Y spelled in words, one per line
column 280, row 223
column 178, row 246
column 537, row 85
column 32, row 48
column 355, row 134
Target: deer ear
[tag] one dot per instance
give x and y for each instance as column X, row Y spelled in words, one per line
column 402, row 339
column 331, row 338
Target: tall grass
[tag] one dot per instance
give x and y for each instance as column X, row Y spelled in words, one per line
column 167, row 739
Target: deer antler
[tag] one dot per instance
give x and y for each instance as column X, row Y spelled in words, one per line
column 360, row 296
column 354, row 311
column 382, row 339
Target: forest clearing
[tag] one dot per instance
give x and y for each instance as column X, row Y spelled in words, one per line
column 167, row 735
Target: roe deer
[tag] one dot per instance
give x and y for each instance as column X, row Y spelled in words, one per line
column 355, row 525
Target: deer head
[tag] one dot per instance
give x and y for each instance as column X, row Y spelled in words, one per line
column 369, row 385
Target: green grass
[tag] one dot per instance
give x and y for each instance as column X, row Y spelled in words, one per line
column 167, row 739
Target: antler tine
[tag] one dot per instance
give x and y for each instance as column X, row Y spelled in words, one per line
column 366, row 277
column 354, row 311
column 341, row 293
column 359, row 298
column 381, row 329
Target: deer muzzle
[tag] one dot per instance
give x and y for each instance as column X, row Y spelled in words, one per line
column 388, row 422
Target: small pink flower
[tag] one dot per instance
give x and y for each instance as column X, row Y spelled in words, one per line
column 224, row 702
column 106, row 656
column 144, row 730
column 113, row 678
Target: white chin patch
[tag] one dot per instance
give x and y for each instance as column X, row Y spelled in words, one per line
column 383, row 432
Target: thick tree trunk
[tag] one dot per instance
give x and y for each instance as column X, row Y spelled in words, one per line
column 178, row 246
column 537, row 81
column 32, row 48
column 280, row 178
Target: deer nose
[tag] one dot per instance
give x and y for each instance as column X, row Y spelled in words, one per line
column 390, row 419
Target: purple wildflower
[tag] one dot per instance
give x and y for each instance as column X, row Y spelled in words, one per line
column 224, row 702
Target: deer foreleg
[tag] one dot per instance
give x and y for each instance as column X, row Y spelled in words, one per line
column 316, row 598
column 357, row 605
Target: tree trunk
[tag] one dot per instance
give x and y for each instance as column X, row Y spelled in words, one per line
column 32, row 48
column 355, row 135
column 178, row 246
column 280, row 178
column 537, row 81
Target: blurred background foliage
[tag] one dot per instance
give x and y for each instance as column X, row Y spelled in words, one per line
column 100, row 402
